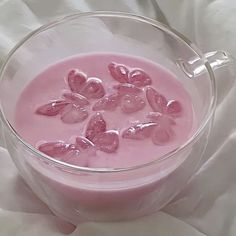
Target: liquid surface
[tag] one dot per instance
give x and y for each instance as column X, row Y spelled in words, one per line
column 105, row 110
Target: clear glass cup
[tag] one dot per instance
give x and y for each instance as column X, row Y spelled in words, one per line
column 107, row 194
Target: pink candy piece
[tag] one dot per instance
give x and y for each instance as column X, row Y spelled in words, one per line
column 56, row 149
column 107, row 103
column 161, row 136
column 157, row 101
column 77, row 99
column 139, row 78
column 119, row 72
column 64, row 152
column 95, row 126
column 52, row 109
column 124, row 89
column 93, row 89
column 73, row 114
column 139, row 131
column 161, row 119
column 132, row 103
column 76, row 80
column 107, row 141
column 83, row 143
column 174, row 108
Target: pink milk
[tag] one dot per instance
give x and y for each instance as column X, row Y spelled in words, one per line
column 78, row 197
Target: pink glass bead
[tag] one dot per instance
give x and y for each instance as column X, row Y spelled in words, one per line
column 139, row 78
column 119, row 72
column 53, row 108
column 96, row 125
column 140, row 131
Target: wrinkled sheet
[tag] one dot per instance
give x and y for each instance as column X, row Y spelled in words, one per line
column 207, row 205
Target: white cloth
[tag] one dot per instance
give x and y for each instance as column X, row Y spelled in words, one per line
column 207, row 205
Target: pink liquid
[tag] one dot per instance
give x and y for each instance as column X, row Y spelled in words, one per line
column 91, row 196
column 52, row 83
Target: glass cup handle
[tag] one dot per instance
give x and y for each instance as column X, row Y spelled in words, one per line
column 222, row 64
